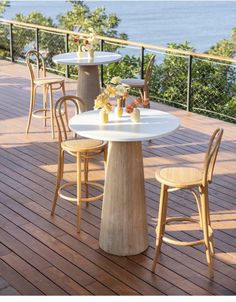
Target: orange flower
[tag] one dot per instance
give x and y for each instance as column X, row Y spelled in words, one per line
column 76, row 39
column 129, row 108
column 137, row 101
column 85, row 42
column 146, row 102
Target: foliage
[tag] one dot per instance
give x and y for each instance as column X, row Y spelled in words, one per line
column 4, row 45
column 81, row 18
column 3, row 5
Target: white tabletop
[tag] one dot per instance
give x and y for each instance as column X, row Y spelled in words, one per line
column 153, row 124
column 100, row 57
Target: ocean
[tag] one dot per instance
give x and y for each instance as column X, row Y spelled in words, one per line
column 202, row 23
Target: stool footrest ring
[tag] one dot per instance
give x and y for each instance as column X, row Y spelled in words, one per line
column 184, row 243
column 74, row 199
column 35, row 113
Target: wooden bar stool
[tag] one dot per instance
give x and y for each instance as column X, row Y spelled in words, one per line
column 142, row 84
column 81, row 148
column 176, row 178
column 37, row 70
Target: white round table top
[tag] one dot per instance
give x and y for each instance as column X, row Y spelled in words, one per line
column 153, row 124
column 100, row 57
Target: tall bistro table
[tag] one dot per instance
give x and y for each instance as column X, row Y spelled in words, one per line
column 124, row 220
column 88, row 85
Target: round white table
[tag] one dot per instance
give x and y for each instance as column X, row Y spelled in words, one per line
column 124, row 221
column 88, row 85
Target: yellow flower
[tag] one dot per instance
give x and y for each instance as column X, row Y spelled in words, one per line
column 120, row 90
column 116, row 80
column 101, row 100
column 111, row 91
column 108, row 107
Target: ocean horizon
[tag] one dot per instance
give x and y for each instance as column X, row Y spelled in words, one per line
column 201, row 23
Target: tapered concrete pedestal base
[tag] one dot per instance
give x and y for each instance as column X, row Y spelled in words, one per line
column 124, row 222
column 88, row 86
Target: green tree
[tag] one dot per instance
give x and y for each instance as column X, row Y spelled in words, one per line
column 24, row 39
column 3, row 5
column 4, row 31
column 213, row 82
column 81, row 18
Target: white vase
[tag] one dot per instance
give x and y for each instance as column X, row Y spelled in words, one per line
column 103, row 115
column 135, row 115
column 90, row 55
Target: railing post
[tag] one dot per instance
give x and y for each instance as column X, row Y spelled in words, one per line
column 142, row 62
column 11, row 42
column 67, row 50
column 37, row 39
column 101, row 67
column 189, row 87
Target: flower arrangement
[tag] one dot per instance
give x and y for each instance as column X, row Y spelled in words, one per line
column 91, row 42
column 135, row 103
column 102, row 102
column 117, row 89
column 133, row 110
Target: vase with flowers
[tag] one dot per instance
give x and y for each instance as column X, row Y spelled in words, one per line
column 133, row 110
column 90, row 44
column 118, row 90
column 102, row 103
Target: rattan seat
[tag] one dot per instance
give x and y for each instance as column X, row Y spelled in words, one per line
column 185, row 177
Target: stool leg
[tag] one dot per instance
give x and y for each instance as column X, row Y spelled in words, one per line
column 78, row 164
column 161, row 223
column 62, row 165
column 59, row 168
column 105, row 157
column 45, row 92
column 86, row 179
column 209, row 222
column 52, row 111
column 205, row 218
column 65, row 105
column 32, row 101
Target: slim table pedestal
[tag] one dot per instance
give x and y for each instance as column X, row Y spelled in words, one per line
column 88, row 86
column 124, row 221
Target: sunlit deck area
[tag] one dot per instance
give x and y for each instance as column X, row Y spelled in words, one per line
column 44, row 255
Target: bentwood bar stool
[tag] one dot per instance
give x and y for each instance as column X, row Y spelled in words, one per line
column 83, row 150
column 38, row 77
column 197, row 181
column 142, row 84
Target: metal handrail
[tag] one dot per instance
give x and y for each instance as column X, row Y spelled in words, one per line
column 144, row 47
column 120, row 41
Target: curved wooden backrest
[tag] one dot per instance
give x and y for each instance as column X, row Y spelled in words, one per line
column 149, row 69
column 79, row 107
column 211, row 155
column 36, row 64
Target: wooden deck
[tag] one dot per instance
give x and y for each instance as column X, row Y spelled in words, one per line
column 45, row 255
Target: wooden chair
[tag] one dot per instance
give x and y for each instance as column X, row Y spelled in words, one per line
column 142, row 84
column 176, row 178
column 81, row 148
column 37, row 70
